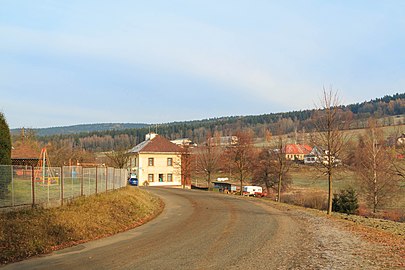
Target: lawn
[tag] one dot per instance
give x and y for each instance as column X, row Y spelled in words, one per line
column 307, row 180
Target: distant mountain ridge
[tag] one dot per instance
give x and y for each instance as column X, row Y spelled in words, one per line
column 197, row 129
column 82, row 128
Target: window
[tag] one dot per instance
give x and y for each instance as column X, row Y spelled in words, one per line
column 150, row 177
column 169, row 177
column 169, row 161
column 150, row 161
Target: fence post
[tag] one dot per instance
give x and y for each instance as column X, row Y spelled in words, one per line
column 12, row 185
column 106, row 179
column 33, row 185
column 113, row 179
column 96, row 178
column 61, row 185
column 81, row 182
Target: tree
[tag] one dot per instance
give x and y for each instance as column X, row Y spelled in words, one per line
column 375, row 167
column 281, row 166
column 240, row 155
column 186, row 165
column 398, row 142
column 5, row 156
column 329, row 121
column 208, row 156
column 119, row 158
column 5, row 142
column 266, row 171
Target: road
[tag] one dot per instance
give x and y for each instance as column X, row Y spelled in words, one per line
column 203, row 230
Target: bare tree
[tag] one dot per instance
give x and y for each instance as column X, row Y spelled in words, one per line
column 269, row 173
column 375, row 167
column 119, row 158
column 281, row 165
column 186, row 166
column 240, row 156
column 398, row 142
column 208, row 156
column 330, row 122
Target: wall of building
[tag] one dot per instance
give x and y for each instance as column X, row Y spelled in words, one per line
column 160, row 167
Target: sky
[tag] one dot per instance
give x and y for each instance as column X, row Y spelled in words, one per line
column 80, row 62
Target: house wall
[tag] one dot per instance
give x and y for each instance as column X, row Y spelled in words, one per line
column 295, row 156
column 160, row 167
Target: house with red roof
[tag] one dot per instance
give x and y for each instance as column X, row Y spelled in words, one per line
column 297, row 152
column 156, row 161
column 25, row 153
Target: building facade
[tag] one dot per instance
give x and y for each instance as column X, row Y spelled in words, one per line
column 156, row 162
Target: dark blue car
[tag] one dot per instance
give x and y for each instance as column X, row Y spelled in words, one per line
column 133, row 181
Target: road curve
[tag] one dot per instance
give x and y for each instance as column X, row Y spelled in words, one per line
column 197, row 230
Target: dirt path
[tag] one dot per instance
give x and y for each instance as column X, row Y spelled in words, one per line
column 201, row 230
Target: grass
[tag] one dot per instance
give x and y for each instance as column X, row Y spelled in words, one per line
column 309, row 186
column 308, row 177
column 21, row 190
column 27, row 233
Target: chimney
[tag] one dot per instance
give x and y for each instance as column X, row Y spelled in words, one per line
column 150, row 136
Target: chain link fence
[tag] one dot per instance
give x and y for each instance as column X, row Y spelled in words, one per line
column 52, row 186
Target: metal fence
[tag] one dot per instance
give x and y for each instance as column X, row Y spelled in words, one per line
column 52, row 186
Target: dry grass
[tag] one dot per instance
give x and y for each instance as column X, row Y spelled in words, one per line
column 31, row 232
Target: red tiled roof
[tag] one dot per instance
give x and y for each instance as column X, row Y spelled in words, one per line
column 298, row 149
column 24, row 151
column 157, row 144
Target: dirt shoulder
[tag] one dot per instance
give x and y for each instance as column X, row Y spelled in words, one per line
column 31, row 232
column 350, row 242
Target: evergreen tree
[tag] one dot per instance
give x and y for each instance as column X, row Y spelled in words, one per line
column 5, row 156
column 5, row 142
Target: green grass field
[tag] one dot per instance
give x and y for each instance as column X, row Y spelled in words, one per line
column 21, row 190
column 308, row 180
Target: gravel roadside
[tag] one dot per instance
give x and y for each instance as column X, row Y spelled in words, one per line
column 346, row 242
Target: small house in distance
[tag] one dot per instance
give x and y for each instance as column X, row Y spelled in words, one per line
column 297, row 152
column 156, row 162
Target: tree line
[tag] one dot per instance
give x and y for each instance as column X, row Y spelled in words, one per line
column 290, row 122
column 378, row 165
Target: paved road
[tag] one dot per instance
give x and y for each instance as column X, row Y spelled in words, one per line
column 197, row 230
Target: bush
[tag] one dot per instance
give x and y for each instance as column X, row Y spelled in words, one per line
column 345, row 202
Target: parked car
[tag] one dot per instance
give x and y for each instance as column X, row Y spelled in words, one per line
column 133, row 181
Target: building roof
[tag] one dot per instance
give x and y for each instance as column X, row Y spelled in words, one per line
column 298, row 149
column 157, row 144
column 24, row 151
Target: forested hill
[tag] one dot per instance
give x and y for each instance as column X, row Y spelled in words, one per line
column 86, row 128
column 387, row 109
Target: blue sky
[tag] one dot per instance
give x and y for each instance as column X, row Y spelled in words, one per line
column 75, row 62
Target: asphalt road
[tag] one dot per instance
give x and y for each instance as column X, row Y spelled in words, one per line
column 197, row 230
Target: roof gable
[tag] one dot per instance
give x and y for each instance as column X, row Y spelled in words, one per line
column 157, row 144
column 298, row 149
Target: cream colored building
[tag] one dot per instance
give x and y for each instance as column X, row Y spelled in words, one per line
column 156, row 162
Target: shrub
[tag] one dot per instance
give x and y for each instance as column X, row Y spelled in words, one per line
column 345, row 201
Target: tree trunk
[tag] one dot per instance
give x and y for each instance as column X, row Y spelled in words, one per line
column 209, row 181
column 241, row 185
column 330, row 193
column 280, row 177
